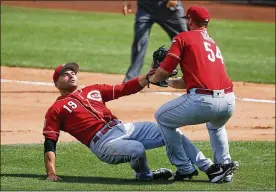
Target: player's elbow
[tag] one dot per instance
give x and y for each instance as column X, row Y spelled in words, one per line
column 49, row 145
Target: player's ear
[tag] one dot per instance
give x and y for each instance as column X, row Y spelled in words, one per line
column 190, row 21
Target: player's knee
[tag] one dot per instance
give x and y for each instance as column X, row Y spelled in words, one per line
column 212, row 126
column 137, row 150
column 162, row 119
column 159, row 117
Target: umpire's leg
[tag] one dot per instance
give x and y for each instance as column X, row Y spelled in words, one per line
column 175, row 24
column 143, row 24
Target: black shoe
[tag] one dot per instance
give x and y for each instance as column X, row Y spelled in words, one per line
column 229, row 178
column 162, row 174
column 217, row 172
column 236, row 165
column 180, row 177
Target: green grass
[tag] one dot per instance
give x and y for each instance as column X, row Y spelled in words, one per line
column 102, row 42
column 22, row 169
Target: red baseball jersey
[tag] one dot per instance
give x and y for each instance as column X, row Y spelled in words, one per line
column 200, row 60
column 83, row 113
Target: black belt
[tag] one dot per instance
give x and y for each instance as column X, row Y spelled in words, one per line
column 103, row 131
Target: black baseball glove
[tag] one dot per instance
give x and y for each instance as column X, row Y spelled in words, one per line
column 158, row 57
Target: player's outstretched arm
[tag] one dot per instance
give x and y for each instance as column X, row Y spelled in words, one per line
column 177, row 83
column 143, row 80
column 111, row 92
column 160, row 75
column 50, row 160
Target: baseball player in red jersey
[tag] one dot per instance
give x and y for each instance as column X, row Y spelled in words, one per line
column 209, row 99
column 83, row 114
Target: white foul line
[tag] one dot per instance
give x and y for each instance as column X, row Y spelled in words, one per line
column 26, row 82
column 256, row 100
column 241, row 99
column 157, row 92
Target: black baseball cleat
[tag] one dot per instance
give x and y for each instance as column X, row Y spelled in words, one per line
column 229, row 178
column 180, row 177
column 236, row 165
column 217, row 172
column 162, row 174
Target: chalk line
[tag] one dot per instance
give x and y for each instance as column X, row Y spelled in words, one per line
column 156, row 92
column 241, row 99
column 26, row 82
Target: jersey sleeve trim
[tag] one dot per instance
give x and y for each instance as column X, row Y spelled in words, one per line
column 177, row 57
column 50, row 132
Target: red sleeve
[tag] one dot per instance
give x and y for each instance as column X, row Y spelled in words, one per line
column 51, row 125
column 169, row 63
column 110, row 92
column 174, row 55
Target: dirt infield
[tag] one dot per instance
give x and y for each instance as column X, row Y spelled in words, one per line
column 23, row 105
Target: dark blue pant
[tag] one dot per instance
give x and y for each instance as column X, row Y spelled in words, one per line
column 173, row 25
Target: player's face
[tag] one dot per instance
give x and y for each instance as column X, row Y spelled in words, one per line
column 67, row 80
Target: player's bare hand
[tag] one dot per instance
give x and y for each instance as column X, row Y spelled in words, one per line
column 126, row 9
column 53, row 177
column 171, row 3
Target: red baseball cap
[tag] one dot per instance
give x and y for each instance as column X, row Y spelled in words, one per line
column 62, row 67
column 198, row 14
